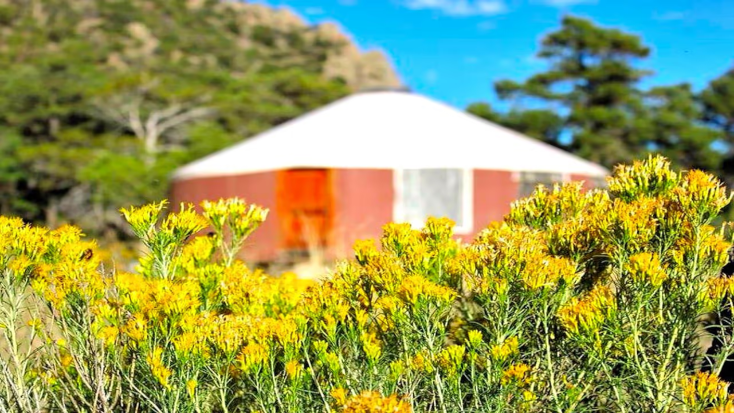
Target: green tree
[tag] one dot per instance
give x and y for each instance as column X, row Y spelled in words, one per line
column 718, row 101
column 102, row 99
column 541, row 124
column 672, row 126
column 718, row 106
column 591, row 80
column 10, row 172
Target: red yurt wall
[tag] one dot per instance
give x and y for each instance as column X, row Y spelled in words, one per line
column 494, row 191
column 364, row 203
column 365, row 199
column 354, row 203
column 257, row 188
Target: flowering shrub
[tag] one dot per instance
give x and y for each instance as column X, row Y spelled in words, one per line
column 577, row 302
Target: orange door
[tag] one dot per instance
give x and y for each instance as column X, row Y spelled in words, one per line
column 305, row 205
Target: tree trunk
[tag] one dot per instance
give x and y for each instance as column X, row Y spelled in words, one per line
column 52, row 213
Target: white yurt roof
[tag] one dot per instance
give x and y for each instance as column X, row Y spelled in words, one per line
column 388, row 130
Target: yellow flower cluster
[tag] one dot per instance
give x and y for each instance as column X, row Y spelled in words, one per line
column 418, row 311
column 242, row 218
column 652, row 176
column 143, row 219
column 547, row 271
column 415, row 287
column 702, row 389
column 371, row 346
column 716, row 289
column 727, row 407
column 701, row 195
column 157, row 368
column 633, row 223
column 59, row 264
column 451, row 359
column 589, row 312
column 645, row 267
column 370, row 402
column 252, row 357
column 507, row 348
column 518, row 374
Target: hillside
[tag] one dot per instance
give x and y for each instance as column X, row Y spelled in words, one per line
column 101, row 99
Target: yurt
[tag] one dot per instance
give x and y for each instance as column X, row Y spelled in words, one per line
column 339, row 173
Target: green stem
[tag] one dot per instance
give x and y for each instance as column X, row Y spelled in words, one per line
column 439, row 391
column 316, row 380
column 548, row 358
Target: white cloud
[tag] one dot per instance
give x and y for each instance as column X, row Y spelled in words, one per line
column 314, row 11
column 670, row 15
column 567, row 3
column 459, row 7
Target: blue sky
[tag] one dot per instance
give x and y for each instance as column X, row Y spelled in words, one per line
column 453, row 50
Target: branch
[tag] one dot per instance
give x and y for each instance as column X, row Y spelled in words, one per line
column 134, row 121
column 183, row 117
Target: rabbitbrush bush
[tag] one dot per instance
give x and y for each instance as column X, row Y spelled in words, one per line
column 577, row 302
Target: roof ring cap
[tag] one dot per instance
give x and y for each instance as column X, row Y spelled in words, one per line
column 371, row 89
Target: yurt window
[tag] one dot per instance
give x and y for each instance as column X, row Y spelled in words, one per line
column 422, row 193
column 530, row 180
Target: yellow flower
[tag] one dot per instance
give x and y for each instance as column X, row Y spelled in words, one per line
column 545, row 272
column 727, row 407
column 246, row 218
column 35, row 323
column 252, row 356
column 197, row 253
column 364, row 250
column 646, row 268
column 294, row 369
column 634, row 223
column 420, row 362
column 371, row 346
column 183, row 224
column 716, row 289
column 417, row 287
column 331, row 360
column 143, row 219
column 189, row 343
column 701, row 194
column 373, row 402
column 505, row 349
column 157, row 368
column 215, row 212
column 191, row 387
column 650, row 177
column 361, row 318
column 703, row 388
column 518, row 374
column 20, row 264
column 340, row 396
column 587, row 313
column 320, row 346
column 451, row 359
column 474, row 338
column 136, row 328
column 108, row 334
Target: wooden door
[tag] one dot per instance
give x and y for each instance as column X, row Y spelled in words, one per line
column 305, row 204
